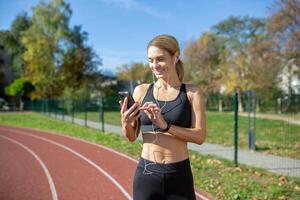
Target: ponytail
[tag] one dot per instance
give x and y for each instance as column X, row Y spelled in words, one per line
column 180, row 70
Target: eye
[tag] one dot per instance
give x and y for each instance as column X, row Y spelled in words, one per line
column 160, row 59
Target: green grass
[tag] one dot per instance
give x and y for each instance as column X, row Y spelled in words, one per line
column 214, row 175
column 272, row 136
column 295, row 116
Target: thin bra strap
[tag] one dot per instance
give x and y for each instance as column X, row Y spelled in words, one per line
column 183, row 88
column 149, row 90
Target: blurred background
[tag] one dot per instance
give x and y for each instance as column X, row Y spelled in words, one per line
column 68, row 60
column 65, row 49
column 82, row 52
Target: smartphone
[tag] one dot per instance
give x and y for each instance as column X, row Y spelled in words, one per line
column 123, row 94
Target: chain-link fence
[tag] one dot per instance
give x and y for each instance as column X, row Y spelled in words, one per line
column 268, row 136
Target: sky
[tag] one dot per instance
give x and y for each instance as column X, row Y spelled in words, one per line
column 119, row 30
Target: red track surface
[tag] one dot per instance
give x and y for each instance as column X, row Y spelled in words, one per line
column 40, row 165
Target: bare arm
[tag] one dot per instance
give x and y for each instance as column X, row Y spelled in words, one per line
column 197, row 132
column 130, row 118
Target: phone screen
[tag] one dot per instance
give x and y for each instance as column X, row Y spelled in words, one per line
column 124, row 94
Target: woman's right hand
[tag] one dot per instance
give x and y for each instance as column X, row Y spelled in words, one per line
column 128, row 116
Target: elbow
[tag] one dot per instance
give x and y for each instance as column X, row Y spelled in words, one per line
column 131, row 139
column 126, row 133
column 201, row 137
column 199, row 141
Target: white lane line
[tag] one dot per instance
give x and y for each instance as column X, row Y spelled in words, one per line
column 111, row 150
column 201, row 196
column 46, row 171
column 82, row 157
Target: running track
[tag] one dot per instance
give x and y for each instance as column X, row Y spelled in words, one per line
column 40, row 165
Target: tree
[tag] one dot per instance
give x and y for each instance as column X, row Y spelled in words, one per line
column 265, row 67
column 11, row 51
column 11, row 41
column 20, row 88
column 80, row 63
column 44, row 42
column 284, row 26
column 239, row 32
column 138, row 72
column 203, row 60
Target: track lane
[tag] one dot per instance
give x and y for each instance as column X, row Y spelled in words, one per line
column 74, row 177
column 17, row 162
column 119, row 165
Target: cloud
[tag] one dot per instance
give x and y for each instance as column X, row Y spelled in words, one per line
column 138, row 6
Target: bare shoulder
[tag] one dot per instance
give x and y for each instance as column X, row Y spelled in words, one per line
column 194, row 92
column 140, row 91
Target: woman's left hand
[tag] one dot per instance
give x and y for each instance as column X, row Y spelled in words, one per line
column 154, row 114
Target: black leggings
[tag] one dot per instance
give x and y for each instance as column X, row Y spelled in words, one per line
column 163, row 181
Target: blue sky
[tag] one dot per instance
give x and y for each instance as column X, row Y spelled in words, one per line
column 119, row 30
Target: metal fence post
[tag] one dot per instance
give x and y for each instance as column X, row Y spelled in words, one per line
column 72, row 111
column 63, row 110
column 101, row 112
column 251, row 105
column 85, row 111
column 51, row 107
column 47, row 105
column 55, row 108
column 254, row 119
column 235, row 138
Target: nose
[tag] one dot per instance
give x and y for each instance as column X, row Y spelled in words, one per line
column 155, row 63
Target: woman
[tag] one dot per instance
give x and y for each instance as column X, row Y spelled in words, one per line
column 171, row 114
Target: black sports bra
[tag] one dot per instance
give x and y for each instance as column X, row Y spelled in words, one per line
column 176, row 112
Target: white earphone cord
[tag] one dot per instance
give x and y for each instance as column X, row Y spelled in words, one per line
column 147, row 172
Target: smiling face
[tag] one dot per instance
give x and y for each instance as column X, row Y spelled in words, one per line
column 161, row 62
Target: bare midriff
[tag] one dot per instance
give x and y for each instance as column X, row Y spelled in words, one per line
column 163, row 148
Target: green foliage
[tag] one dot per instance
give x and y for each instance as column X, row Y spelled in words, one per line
column 42, row 40
column 80, row 63
column 238, row 55
column 57, row 56
column 11, row 40
column 240, row 33
column 19, row 87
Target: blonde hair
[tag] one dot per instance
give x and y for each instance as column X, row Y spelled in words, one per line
column 169, row 44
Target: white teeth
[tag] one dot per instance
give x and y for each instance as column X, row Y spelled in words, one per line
column 158, row 72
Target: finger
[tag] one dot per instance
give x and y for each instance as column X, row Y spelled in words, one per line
column 153, row 114
column 145, row 105
column 133, row 107
column 124, row 105
column 149, row 115
column 128, row 113
column 149, row 106
column 156, row 110
column 148, row 102
column 134, row 113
